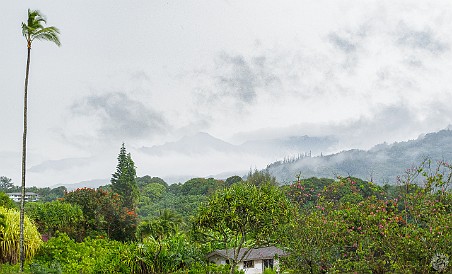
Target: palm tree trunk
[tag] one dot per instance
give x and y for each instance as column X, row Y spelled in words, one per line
column 24, row 157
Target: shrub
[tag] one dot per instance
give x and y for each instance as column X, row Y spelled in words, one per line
column 269, row 271
column 9, row 240
column 90, row 256
column 55, row 216
column 6, row 202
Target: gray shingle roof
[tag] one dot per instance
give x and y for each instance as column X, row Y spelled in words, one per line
column 253, row 254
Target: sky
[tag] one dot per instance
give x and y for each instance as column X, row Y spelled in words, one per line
column 151, row 72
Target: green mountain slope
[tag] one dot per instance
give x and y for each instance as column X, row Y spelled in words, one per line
column 381, row 164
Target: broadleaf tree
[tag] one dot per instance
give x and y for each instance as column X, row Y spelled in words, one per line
column 32, row 29
column 244, row 216
column 5, row 184
column 103, row 214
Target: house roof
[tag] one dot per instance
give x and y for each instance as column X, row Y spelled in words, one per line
column 254, row 254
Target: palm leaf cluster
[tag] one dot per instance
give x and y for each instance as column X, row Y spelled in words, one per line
column 34, row 29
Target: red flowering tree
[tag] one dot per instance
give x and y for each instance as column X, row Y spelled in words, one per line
column 104, row 214
column 372, row 234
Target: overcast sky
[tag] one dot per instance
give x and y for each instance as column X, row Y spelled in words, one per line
column 150, row 72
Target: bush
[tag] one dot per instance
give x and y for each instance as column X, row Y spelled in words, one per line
column 200, row 268
column 55, row 216
column 9, row 237
column 6, row 202
column 90, row 256
column 269, row 271
column 52, row 268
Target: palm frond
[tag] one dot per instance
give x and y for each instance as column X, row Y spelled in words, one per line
column 34, row 28
column 25, row 30
column 35, row 20
column 48, row 34
column 35, row 17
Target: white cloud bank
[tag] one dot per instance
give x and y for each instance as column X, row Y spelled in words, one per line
column 146, row 73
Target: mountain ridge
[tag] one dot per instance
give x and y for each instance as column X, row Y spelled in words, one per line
column 203, row 143
column 382, row 163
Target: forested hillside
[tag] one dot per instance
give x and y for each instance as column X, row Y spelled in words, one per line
column 342, row 225
column 381, row 164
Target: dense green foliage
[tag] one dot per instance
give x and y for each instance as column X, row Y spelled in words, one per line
column 156, row 195
column 184, row 205
column 49, row 194
column 5, row 201
column 145, row 180
column 63, row 255
column 55, row 216
column 101, row 255
column 160, row 228
column 197, row 186
column 2, row 224
column 258, row 177
column 103, row 213
column 6, row 185
column 343, row 225
column 352, row 226
column 233, row 180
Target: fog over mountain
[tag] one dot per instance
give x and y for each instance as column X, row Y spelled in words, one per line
column 203, row 143
column 202, row 149
column 295, row 155
column 381, row 164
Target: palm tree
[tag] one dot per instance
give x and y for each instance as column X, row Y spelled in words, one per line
column 31, row 30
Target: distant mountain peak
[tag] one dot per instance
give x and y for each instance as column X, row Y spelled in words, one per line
column 95, row 183
column 198, row 143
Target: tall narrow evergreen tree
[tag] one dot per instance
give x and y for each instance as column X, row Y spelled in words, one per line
column 31, row 30
column 123, row 181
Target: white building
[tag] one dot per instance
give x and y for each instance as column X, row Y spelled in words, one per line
column 29, row 196
column 255, row 262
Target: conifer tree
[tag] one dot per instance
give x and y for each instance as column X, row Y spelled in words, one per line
column 123, row 181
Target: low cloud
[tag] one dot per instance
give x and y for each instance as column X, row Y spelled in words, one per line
column 387, row 124
column 237, row 79
column 241, row 79
column 118, row 115
column 384, row 124
column 420, row 39
column 139, row 75
column 342, row 43
column 60, row 165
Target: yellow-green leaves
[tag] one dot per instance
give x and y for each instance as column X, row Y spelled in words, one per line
column 9, row 242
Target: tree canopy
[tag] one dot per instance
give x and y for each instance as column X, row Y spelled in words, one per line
column 5, row 184
column 244, row 216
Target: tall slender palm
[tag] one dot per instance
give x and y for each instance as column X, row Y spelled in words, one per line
column 31, row 30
